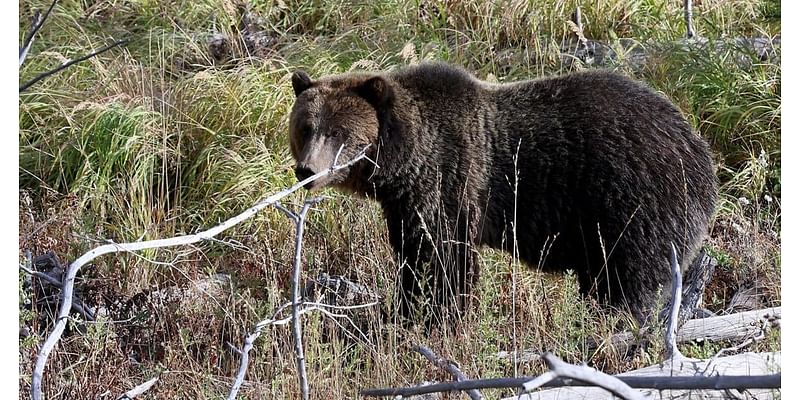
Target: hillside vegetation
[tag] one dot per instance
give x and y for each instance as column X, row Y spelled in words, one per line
column 186, row 126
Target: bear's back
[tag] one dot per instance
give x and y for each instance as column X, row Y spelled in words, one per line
column 436, row 80
column 598, row 154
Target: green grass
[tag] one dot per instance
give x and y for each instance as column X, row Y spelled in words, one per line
column 159, row 139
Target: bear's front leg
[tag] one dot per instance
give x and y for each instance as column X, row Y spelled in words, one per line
column 438, row 264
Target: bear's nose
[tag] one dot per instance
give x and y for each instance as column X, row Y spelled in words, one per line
column 302, row 173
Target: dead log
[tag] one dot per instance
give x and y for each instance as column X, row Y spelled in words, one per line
column 745, row 364
column 654, row 383
column 697, row 278
column 733, row 327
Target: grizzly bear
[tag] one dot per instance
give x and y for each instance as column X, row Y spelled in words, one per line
column 590, row 171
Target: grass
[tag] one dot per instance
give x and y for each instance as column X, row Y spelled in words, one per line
column 162, row 138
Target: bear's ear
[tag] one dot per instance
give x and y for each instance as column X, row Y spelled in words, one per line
column 300, row 82
column 376, row 91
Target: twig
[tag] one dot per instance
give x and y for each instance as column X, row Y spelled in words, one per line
column 671, row 333
column 274, row 321
column 243, row 363
column 576, row 25
column 752, row 339
column 69, row 276
column 766, row 324
column 585, row 374
column 67, row 64
column 47, row 278
column 687, row 16
column 248, row 345
column 138, row 390
column 715, row 382
column 38, row 21
column 23, row 51
column 448, row 366
column 77, row 304
column 333, row 316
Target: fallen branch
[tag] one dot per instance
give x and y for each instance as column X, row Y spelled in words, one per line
column 275, row 321
column 733, row 327
column 69, row 276
column 138, row 390
column 77, row 304
column 716, row 382
column 448, row 366
column 686, row 378
column 67, row 64
column 38, row 21
column 583, row 373
column 687, row 17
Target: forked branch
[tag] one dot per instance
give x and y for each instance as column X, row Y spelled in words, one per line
column 69, row 276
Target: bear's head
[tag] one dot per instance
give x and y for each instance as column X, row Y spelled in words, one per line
column 332, row 121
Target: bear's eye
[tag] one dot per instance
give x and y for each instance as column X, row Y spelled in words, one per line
column 336, row 132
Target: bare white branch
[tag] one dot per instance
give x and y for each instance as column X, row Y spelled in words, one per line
column 69, row 276
column 671, row 333
column 298, row 307
column 275, row 321
column 38, row 21
column 23, row 52
column 297, row 300
column 338, row 153
column 586, row 374
column 540, row 380
column 138, row 390
column 687, row 16
column 250, row 340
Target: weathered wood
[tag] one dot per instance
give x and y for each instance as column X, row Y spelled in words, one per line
column 670, row 341
column 138, row 390
column 698, row 276
column 583, row 373
column 733, row 327
column 69, row 277
column 656, row 382
column 750, row 364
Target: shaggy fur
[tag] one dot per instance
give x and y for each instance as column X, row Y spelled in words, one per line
column 590, row 171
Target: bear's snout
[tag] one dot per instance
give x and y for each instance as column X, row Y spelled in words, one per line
column 302, row 173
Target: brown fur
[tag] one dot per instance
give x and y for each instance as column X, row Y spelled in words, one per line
column 590, row 171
